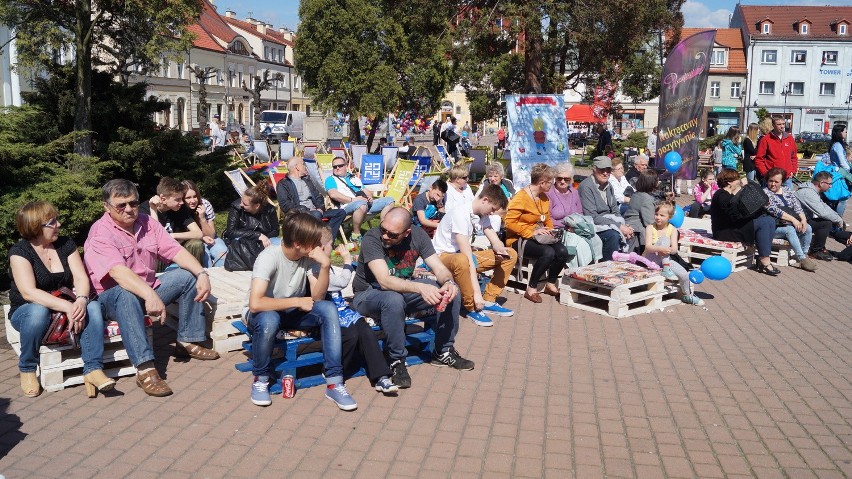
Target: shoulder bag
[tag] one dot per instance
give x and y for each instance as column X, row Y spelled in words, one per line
column 59, row 331
column 751, row 199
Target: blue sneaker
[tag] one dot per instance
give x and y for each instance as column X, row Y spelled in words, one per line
column 478, row 318
column 669, row 274
column 341, row 397
column 495, row 308
column 386, row 386
column 260, row 391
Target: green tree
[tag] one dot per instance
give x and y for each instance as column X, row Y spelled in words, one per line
column 371, row 57
column 118, row 35
column 260, row 85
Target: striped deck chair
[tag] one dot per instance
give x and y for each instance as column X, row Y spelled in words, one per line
column 398, row 185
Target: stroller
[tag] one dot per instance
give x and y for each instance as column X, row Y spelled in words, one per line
column 465, row 146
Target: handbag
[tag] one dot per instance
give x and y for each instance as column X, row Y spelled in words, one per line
column 751, row 199
column 242, row 253
column 59, row 331
column 553, row 238
column 452, row 137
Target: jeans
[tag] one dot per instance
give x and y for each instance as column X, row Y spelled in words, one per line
column 800, row 242
column 129, row 310
column 764, row 231
column 335, row 218
column 266, row 324
column 390, row 309
column 751, row 175
column 611, row 243
column 215, row 253
column 378, row 205
column 32, row 320
column 550, row 259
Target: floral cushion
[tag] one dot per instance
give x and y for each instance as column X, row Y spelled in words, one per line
column 612, row 273
column 704, row 237
column 111, row 329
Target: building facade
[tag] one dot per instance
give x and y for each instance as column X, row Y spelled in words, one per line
column 799, row 63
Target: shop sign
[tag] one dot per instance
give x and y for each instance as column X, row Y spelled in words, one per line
column 813, row 111
column 725, row 109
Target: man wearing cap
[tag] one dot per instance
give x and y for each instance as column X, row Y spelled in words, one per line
column 215, row 132
column 598, row 200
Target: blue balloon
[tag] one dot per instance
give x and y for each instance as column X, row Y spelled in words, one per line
column 673, row 161
column 677, row 217
column 696, row 276
column 716, row 268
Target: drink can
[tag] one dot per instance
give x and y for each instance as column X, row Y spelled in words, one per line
column 288, row 386
column 445, row 300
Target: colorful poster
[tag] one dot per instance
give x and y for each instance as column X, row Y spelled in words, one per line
column 684, row 84
column 537, row 133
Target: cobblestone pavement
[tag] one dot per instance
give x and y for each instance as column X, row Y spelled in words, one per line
column 756, row 384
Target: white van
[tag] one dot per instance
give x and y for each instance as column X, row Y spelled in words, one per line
column 279, row 124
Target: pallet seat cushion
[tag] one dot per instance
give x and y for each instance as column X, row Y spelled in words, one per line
column 704, row 237
column 612, row 273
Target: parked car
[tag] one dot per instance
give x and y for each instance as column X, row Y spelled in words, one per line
column 813, row 137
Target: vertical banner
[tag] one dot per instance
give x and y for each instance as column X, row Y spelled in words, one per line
column 684, row 84
column 537, row 133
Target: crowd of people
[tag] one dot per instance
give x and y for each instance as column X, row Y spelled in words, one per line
column 141, row 255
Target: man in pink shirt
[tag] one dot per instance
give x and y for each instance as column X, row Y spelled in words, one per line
column 121, row 256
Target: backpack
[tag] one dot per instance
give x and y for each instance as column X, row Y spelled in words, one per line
column 839, row 190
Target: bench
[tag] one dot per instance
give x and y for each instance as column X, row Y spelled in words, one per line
column 616, row 289
column 697, row 245
column 62, row 366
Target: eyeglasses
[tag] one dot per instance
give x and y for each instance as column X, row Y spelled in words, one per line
column 390, row 234
column 339, row 166
column 52, row 223
column 829, row 183
column 123, row 206
column 563, row 178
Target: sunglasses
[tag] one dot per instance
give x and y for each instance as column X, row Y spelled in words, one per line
column 339, row 166
column 390, row 234
column 123, row 206
column 563, row 178
column 53, row 223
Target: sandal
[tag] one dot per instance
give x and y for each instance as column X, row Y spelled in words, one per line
column 151, row 383
column 195, row 351
column 534, row 297
column 767, row 269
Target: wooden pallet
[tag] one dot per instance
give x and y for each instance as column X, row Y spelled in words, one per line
column 624, row 300
column 695, row 253
column 228, row 299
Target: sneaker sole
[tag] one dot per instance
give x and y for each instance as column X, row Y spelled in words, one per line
column 261, row 403
column 439, row 364
column 343, row 407
column 497, row 313
column 392, row 390
column 481, row 323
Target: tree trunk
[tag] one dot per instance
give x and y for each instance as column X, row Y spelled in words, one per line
column 375, row 126
column 532, row 50
column 203, row 121
column 83, row 90
column 355, row 130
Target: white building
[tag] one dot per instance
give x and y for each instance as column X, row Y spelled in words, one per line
column 799, row 63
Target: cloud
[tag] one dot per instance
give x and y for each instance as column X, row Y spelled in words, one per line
column 697, row 15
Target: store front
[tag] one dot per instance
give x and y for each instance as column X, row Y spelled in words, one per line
column 720, row 119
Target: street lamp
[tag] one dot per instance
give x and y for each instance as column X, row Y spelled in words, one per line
column 785, row 93
column 848, row 102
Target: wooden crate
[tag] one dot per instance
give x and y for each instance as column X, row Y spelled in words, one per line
column 618, row 300
column 738, row 255
column 228, row 299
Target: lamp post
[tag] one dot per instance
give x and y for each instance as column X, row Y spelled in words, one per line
column 848, row 103
column 785, row 93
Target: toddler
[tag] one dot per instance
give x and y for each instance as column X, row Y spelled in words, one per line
column 660, row 243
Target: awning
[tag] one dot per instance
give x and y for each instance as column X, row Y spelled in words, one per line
column 583, row 114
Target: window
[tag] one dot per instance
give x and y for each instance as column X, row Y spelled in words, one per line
column 766, row 28
column 826, row 89
column 735, row 89
column 266, row 53
column 239, row 79
column 180, row 70
column 829, row 57
column 307, row 110
column 767, row 88
column 841, row 29
column 798, row 57
column 220, row 79
column 797, row 88
column 718, row 57
column 458, row 110
column 769, row 56
column 803, row 29
column 714, row 89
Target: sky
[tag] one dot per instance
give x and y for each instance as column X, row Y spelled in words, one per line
column 696, row 13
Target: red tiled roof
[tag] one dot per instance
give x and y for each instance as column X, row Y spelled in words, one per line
column 279, row 37
column 726, row 37
column 215, row 25
column 785, row 20
column 253, row 29
column 203, row 39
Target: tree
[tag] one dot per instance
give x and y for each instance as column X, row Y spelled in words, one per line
column 201, row 76
column 261, row 84
column 125, row 33
column 560, row 46
column 372, row 57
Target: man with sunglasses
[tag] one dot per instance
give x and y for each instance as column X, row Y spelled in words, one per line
column 820, row 216
column 299, row 192
column 347, row 192
column 386, row 291
column 121, row 256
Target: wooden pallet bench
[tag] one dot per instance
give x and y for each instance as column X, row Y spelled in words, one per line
column 302, row 358
column 62, row 366
column 227, row 302
column 616, row 289
column 697, row 245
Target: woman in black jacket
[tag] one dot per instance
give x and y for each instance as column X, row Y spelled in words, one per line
column 749, row 150
column 252, row 226
column 728, row 224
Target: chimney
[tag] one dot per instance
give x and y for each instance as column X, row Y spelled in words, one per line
column 230, row 14
column 261, row 28
column 251, row 20
column 282, row 30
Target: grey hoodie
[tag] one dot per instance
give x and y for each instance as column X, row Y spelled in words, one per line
column 814, row 206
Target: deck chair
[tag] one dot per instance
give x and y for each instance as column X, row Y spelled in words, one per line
column 238, row 180
column 309, row 152
column 427, row 179
column 358, row 151
column 341, row 152
column 390, row 154
column 324, row 161
column 373, row 173
column 286, row 150
column 398, row 185
column 333, row 144
column 424, row 164
column 261, row 152
column 477, row 166
column 276, row 176
column 444, row 162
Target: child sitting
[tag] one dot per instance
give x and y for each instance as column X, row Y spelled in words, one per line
column 660, row 243
column 428, row 207
column 356, row 335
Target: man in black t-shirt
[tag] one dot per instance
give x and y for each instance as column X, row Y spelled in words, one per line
column 385, row 290
column 168, row 208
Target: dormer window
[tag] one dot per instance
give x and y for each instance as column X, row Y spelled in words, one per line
column 804, row 28
column 766, row 28
column 841, row 29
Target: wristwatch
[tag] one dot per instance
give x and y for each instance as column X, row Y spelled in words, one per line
column 450, row 282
